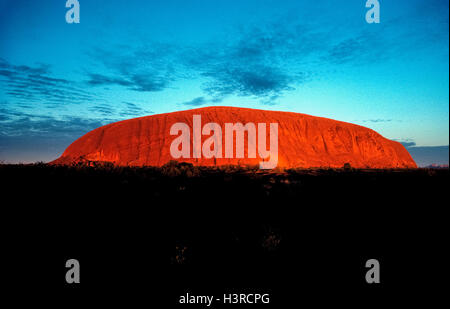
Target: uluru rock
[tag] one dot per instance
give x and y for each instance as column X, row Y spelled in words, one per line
column 303, row 141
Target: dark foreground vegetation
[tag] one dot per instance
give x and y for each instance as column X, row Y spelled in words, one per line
column 161, row 230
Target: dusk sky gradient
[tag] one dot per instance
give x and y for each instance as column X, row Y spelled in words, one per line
column 132, row 58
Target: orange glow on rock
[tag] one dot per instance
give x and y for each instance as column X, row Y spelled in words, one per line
column 304, row 141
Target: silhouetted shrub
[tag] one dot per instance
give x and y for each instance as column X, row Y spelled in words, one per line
column 174, row 169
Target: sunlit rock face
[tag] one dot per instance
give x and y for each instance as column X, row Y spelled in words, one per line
column 303, row 141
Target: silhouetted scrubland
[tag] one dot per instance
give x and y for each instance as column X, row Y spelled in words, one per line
column 248, row 225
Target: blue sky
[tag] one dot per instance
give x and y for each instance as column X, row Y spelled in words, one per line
column 132, row 58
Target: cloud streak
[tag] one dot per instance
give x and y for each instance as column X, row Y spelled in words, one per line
column 378, row 120
column 36, row 84
column 199, row 101
column 27, row 137
column 142, row 68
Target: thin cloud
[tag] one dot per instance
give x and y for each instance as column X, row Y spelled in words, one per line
column 30, row 137
column 199, row 101
column 196, row 102
column 258, row 81
column 133, row 110
column 36, row 84
column 142, row 68
column 103, row 109
column 406, row 142
column 378, row 120
column 19, row 124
